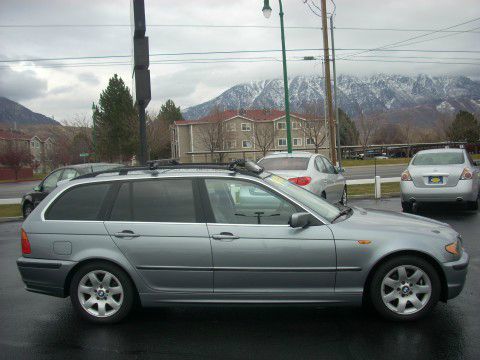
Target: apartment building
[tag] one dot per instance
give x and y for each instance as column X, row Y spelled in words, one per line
column 244, row 134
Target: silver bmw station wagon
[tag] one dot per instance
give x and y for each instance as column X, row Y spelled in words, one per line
column 230, row 234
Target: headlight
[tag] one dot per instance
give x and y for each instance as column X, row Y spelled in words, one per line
column 454, row 248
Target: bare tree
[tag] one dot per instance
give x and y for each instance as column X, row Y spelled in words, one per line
column 368, row 126
column 313, row 128
column 264, row 136
column 15, row 155
column 158, row 137
column 212, row 134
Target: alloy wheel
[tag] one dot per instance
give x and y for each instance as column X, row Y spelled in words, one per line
column 406, row 289
column 100, row 293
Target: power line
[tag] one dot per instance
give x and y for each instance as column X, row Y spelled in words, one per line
column 350, row 28
column 413, row 62
column 230, row 52
column 411, row 38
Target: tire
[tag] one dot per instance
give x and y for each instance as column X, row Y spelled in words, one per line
column 344, row 198
column 323, row 195
column 425, row 291
column 102, row 303
column 27, row 209
column 407, row 207
column 472, row 205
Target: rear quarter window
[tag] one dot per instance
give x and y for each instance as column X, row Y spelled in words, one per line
column 82, row 202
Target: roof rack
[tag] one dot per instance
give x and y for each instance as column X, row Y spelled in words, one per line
column 236, row 166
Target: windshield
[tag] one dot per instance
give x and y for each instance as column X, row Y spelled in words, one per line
column 305, row 197
column 285, row 163
column 440, row 158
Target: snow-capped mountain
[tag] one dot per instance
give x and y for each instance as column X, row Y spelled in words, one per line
column 379, row 93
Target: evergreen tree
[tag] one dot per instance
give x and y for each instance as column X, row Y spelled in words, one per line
column 169, row 112
column 348, row 130
column 464, row 128
column 116, row 123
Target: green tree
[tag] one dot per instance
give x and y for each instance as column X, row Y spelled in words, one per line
column 158, row 130
column 116, row 123
column 348, row 129
column 464, row 128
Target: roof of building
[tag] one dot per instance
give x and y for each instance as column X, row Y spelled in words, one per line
column 7, row 134
column 257, row 115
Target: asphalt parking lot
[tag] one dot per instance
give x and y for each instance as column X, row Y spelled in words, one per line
column 37, row 326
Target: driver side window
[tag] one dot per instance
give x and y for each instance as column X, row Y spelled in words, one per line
column 50, row 182
column 243, row 202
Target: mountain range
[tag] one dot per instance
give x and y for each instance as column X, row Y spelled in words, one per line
column 397, row 96
column 12, row 113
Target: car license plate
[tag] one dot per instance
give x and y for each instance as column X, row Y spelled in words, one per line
column 435, row 179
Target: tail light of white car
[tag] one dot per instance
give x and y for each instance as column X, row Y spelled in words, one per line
column 25, row 243
column 301, row 180
column 406, row 176
column 466, row 174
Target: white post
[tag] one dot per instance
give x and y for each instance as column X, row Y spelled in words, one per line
column 378, row 187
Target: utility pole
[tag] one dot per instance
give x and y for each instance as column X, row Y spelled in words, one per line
column 337, row 118
column 326, row 56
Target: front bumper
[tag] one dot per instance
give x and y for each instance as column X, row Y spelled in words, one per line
column 466, row 190
column 455, row 274
column 45, row 276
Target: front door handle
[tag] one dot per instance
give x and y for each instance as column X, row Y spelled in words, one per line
column 126, row 234
column 225, row 236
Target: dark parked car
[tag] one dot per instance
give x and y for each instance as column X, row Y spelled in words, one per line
column 32, row 199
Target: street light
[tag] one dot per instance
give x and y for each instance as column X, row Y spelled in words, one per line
column 267, row 11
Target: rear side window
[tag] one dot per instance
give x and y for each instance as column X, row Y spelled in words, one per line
column 440, row 158
column 169, row 200
column 82, row 202
column 285, row 163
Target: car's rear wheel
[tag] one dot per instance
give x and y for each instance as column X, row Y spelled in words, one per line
column 102, row 293
column 405, row 288
column 27, row 209
column 472, row 205
column 407, row 207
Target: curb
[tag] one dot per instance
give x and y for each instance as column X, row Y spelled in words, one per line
column 11, row 219
column 19, row 181
column 372, row 196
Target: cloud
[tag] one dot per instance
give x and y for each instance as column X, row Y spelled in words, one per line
column 21, row 85
column 88, row 78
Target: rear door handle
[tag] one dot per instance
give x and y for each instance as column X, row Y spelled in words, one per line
column 225, row 236
column 126, row 234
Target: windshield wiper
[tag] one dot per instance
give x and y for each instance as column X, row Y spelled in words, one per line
column 343, row 212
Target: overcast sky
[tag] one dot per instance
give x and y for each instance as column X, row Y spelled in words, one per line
column 68, row 92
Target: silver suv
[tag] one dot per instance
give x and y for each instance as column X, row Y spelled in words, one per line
column 236, row 234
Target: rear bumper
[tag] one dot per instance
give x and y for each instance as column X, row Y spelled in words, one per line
column 45, row 276
column 455, row 274
column 466, row 190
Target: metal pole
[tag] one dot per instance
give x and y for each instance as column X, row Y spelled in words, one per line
column 337, row 117
column 143, row 134
column 326, row 56
column 285, row 82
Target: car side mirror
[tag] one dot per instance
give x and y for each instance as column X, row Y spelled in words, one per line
column 37, row 188
column 300, row 220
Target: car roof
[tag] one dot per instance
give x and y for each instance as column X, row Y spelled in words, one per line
column 444, row 150
column 281, row 154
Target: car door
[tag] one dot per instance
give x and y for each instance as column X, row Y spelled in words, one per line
column 254, row 249
column 326, row 179
column 336, row 182
column 158, row 224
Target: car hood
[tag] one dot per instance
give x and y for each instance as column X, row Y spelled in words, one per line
column 364, row 223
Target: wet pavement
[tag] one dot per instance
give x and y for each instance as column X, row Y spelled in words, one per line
column 42, row 327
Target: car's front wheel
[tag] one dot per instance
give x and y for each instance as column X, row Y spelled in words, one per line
column 27, row 209
column 407, row 207
column 405, row 288
column 102, row 293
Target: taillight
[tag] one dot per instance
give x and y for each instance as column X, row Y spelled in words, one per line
column 406, row 176
column 25, row 243
column 302, row 180
column 466, row 174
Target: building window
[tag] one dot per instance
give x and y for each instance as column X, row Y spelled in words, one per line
column 310, row 141
column 32, row 144
column 295, row 125
column 246, row 127
column 246, row 144
column 281, row 126
column 282, row 142
column 231, row 144
column 297, row 142
column 231, row 126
